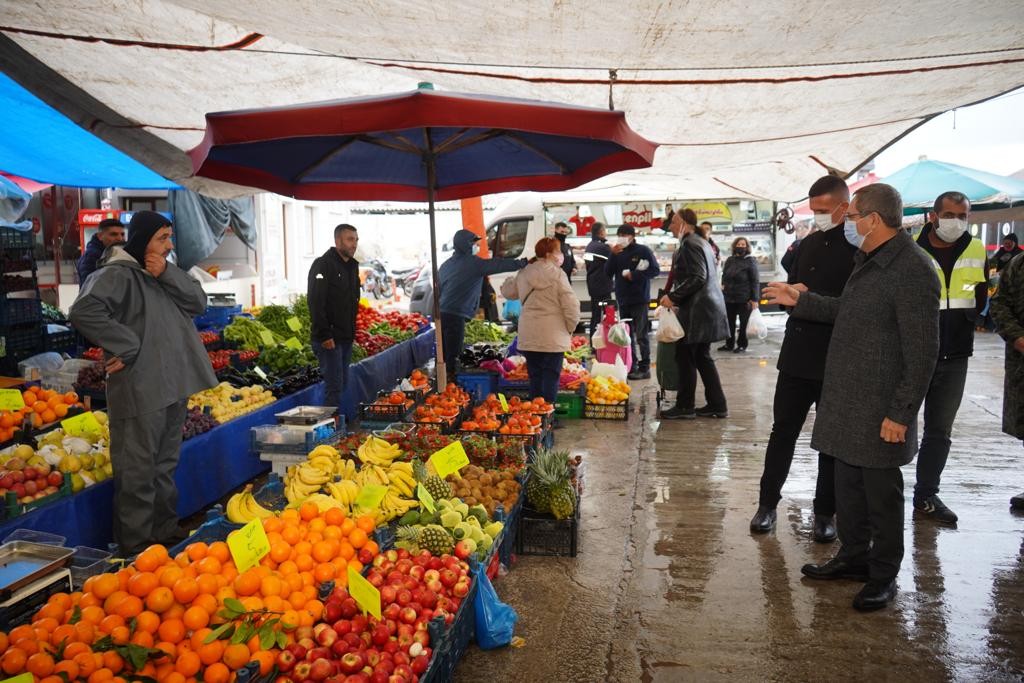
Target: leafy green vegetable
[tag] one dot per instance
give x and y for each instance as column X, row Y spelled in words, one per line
column 248, row 334
column 483, row 331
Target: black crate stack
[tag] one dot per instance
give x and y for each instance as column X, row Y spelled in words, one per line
column 21, row 314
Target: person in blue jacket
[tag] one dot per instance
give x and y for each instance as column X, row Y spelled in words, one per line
column 110, row 232
column 461, row 279
column 633, row 266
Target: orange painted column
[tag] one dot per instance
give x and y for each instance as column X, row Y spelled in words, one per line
column 473, row 220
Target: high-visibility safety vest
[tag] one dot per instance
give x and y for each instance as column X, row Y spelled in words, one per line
column 968, row 273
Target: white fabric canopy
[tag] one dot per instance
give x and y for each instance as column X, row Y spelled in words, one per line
column 746, row 99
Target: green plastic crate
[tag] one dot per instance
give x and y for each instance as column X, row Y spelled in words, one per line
column 569, row 406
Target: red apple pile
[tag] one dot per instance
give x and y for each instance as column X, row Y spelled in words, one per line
column 350, row 647
column 29, row 482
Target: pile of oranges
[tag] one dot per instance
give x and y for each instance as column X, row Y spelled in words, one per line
column 172, row 604
column 42, row 406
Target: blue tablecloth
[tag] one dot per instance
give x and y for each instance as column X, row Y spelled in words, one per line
column 219, row 461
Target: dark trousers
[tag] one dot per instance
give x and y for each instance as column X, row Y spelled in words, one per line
column 597, row 305
column 544, row 370
column 453, row 335
column 794, row 397
column 743, row 311
column 144, row 452
column 693, row 359
column 640, row 331
column 869, row 518
column 940, row 406
column 334, row 368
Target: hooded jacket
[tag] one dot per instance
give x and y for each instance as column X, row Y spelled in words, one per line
column 599, row 285
column 462, row 276
column 89, row 261
column 332, row 289
column 147, row 323
column 550, row 309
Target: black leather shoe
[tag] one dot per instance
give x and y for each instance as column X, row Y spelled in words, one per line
column 824, row 529
column 678, row 413
column 764, row 520
column 725, row 347
column 708, row 411
column 836, row 568
column 875, row 595
column 639, row 374
column 1017, row 502
column 740, row 349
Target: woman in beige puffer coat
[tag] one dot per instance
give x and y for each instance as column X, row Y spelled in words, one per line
column 550, row 314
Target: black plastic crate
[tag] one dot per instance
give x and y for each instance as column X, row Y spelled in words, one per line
column 16, row 239
column 19, row 340
column 541, row 534
column 62, row 342
column 601, row 411
column 21, row 612
column 383, row 412
column 14, row 311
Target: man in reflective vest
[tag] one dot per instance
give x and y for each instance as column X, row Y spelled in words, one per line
column 959, row 261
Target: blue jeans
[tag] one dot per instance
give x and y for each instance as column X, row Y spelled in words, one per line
column 940, row 406
column 544, row 370
column 334, row 367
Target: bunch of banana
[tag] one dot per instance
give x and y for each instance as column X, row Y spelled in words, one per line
column 372, row 474
column 402, row 481
column 324, row 502
column 377, row 451
column 243, row 508
column 303, row 480
column 344, row 491
column 393, row 507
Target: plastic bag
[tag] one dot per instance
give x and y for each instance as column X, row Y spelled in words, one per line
column 495, row 621
column 512, row 309
column 618, row 334
column 669, row 328
column 597, row 341
column 756, row 326
column 618, row 370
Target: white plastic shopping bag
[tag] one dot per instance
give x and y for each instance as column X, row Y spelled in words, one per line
column 618, row 334
column 617, row 371
column 597, row 340
column 756, row 326
column 669, row 328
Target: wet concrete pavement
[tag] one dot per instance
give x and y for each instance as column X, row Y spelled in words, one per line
column 669, row 584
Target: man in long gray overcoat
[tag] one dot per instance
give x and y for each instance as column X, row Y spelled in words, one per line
column 880, row 361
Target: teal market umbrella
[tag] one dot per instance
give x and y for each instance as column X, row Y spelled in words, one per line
column 921, row 182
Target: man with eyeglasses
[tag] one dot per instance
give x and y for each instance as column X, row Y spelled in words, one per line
column 884, row 345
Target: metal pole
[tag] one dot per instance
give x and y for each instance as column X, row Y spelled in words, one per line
column 430, row 161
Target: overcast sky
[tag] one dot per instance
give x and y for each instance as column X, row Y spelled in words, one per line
column 987, row 136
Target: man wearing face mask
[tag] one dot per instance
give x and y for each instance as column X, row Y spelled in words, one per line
column 633, row 266
column 568, row 261
column 959, row 261
column 599, row 285
column 823, row 263
column 880, row 361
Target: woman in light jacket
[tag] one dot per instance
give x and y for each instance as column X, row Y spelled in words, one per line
column 550, row 313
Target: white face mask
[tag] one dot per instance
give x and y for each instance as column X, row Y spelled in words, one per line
column 823, row 221
column 950, row 229
column 476, row 249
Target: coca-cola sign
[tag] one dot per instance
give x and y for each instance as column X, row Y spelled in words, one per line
column 93, row 217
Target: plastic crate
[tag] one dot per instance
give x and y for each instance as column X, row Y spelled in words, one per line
column 16, row 239
column 15, row 311
column 215, row 528
column 61, row 342
column 271, row 494
column 87, row 562
column 601, row 411
column 478, row 384
column 309, row 440
column 569, row 406
column 16, row 509
column 21, row 339
column 450, row 644
column 383, row 412
column 22, row 611
column 216, row 317
column 541, row 534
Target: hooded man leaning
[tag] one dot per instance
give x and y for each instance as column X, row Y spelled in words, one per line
column 138, row 308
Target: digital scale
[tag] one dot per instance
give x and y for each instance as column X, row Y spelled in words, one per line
column 29, row 574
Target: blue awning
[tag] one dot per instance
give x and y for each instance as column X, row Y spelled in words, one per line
column 40, row 143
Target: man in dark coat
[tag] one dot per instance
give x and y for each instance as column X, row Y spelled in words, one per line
column 633, row 266
column 332, row 289
column 110, row 232
column 880, row 361
column 1008, row 312
column 599, row 285
column 568, row 260
column 700, row 306
column 1007, row 252
column 823, row 264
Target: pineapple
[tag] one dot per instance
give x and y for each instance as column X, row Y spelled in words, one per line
column 435, row 485
column 548, row 489
column 436, row 539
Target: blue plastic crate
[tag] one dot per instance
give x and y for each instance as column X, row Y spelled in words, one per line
column 216, row 317
column 215, row 528
column 478, row 384
column 450, row 644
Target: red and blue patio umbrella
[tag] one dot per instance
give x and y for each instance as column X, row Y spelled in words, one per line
column 418, row 146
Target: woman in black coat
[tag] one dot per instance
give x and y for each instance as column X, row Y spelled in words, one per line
column 741, row 284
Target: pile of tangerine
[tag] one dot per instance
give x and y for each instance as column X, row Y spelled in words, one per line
column 172, row 604
column 42, row 406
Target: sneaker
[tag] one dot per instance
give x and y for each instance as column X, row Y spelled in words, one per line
column 725, row 347
column 708, row 411
column 934, row 508
column 740, row 349
column 677, row 413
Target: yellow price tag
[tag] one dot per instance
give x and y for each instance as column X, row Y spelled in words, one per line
column 293, row 343
column 11, row 399
column 21, row 678
column 268, row 337
column 85, row 424
column 294, row 324
column 363, row 592
column 371, row 495
column 425, row 498
column 248, row 545
column 504, row 403
column 451, row 458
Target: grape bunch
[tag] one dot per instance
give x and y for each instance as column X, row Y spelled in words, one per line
column 92, row 378
column 197, row 422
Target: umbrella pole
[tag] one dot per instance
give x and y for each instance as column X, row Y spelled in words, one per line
column 429, row 159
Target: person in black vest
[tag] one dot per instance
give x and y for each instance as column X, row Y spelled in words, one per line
column 599, row 285
column 823, row 263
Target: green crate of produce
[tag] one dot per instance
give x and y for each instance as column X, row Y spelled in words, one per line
column 569, row 406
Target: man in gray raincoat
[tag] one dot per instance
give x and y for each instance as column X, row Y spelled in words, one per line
column 139, row 308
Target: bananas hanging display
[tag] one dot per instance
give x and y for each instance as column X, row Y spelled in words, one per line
column 243, row 508
column 327, row 475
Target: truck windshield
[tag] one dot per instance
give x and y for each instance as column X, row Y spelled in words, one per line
column 508, row 238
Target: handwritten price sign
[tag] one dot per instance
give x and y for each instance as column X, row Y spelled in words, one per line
column 504, row 403
column 248, row 545
column 293, row 343
column 451, row 458
column 294, row 324
column 370, row 496
column 10, row 399
column 268, row 338
column 425, row 498
column 85, row 424
column 363, row 592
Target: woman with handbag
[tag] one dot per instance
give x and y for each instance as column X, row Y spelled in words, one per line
column 741, row 283
column 700, row 307
column 550, row 313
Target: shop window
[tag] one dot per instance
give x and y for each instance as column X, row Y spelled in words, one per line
column 508, row 238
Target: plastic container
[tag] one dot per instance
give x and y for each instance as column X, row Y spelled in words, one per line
column 601, row 411
column 87, row 562
column 63, row 380
column 305, row 415
column 216, row 317
column 15, row 311
column 478, row 384
column 283, row 440
column 35, row 537
column 271, row 494
column 16, row 239
column 569, row 406
column 541, row 534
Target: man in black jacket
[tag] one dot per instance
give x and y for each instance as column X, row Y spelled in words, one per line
column 111, row 232
column 333, row 292
column 959, row 261
column 599, row 285
column 568, row 261
column 823, row 263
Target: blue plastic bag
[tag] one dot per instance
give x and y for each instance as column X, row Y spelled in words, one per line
column 495, row 621
column 512, row 310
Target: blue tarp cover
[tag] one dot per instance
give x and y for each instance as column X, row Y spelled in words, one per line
column 41, row 144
